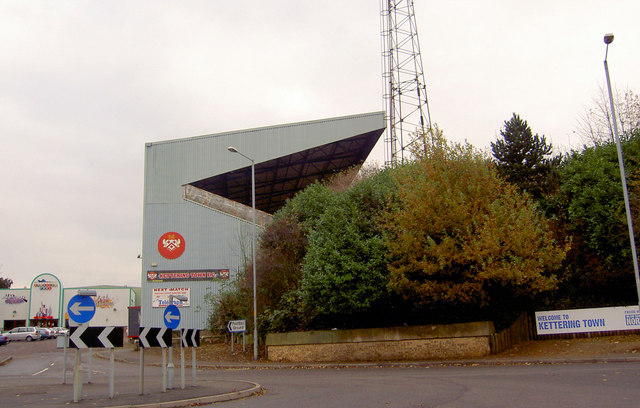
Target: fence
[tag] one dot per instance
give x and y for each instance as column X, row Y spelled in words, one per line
column 524, row 329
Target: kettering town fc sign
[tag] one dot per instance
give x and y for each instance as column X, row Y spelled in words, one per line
column 171, row 245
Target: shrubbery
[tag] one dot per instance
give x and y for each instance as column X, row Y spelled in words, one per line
column 442, row 239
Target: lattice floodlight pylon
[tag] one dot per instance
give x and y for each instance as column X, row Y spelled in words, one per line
column 405, row 92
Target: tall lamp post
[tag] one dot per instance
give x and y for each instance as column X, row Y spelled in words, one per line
column 608, row 39
column 253, row 248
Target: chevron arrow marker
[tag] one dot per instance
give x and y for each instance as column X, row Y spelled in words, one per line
column 103, row 337
column 75, row 337
column 143, row 337
column 160, row 339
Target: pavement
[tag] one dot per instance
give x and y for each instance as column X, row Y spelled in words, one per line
column 210, row 387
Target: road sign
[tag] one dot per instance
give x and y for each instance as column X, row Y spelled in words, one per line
column 190, row 338
column 155, row 337
column 237, row 326
column 81, row 308
column 96, row 337
column 172, row 317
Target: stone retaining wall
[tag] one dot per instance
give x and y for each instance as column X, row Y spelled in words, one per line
column 461, row 340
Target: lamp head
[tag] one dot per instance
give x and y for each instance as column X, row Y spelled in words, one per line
column 608, row 38
column 232, row 149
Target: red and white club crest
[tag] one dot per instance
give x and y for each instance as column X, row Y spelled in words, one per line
column 171, row 245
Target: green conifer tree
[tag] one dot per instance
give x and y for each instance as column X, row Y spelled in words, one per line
column 522, row 158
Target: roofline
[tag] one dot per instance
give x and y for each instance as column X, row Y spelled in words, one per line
column 263, row 128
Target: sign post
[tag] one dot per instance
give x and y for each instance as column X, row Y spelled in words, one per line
column 81, row 309
column 190, row 338
column 237, row 326
column 110, row 337
column 154, row 337
column 171, row 320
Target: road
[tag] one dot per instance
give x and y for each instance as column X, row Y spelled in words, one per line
column 559, row 385
column 577, row 385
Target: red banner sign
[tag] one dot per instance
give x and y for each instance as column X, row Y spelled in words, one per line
column 203, row 274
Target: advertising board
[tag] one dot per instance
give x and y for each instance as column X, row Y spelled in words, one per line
column 160, row 296
column 588, row 320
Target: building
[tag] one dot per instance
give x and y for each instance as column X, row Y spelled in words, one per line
column 44, row 303
column 197, row 224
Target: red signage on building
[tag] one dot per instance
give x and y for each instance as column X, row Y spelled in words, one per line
column 204, row 274
column 171, row 245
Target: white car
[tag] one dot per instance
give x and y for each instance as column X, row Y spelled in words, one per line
column 59, row 331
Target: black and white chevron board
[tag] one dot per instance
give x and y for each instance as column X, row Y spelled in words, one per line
column 96, row 337
column 155, row 337
column 190, row 338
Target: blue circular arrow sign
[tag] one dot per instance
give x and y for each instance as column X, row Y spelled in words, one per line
column 81, row 308
column 172, row 317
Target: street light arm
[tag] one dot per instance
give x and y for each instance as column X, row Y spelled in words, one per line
column 234, row 150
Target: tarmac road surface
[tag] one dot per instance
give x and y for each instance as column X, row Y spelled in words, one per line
column 34, row 378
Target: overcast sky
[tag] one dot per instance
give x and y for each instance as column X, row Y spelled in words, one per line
column 84, row 84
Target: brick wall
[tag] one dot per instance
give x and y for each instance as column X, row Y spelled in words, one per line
column 396, row 343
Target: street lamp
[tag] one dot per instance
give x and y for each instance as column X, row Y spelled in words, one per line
column 608, row 39
column 253, row 248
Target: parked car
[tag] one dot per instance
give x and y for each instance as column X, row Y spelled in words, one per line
column 59, row 331
column 3, row 339
column 45, row 333
column 23, row 333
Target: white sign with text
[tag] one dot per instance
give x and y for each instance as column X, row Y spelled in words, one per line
column 588, row 320
column 160, row 297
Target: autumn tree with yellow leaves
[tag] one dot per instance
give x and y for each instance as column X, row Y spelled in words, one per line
column 460, row 237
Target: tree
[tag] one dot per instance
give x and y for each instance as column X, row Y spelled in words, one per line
column 595, row 126
column 463, row 240
column 283, row 246
column 522, row 158
column 345, row 269
column 5, row 283
column 590, row 207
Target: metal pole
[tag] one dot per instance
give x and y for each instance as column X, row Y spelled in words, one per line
column 90, row 366
column 111, row 360
column 164, row 369
column 181, row 366
column 64, row 360
column 77, row 378
column 623, row 178
column 170, row 367
column 253, row 248
column 193, row 366
column 141, row 382
column 253, row 256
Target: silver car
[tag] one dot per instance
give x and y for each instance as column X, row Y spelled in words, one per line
column 23, row 333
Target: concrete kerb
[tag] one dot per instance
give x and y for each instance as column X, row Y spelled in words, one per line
column 393, row 364
column 254, row 388
column 5, row 361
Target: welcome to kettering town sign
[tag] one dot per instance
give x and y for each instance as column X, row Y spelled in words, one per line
column 200, row 274
column 588, row 320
